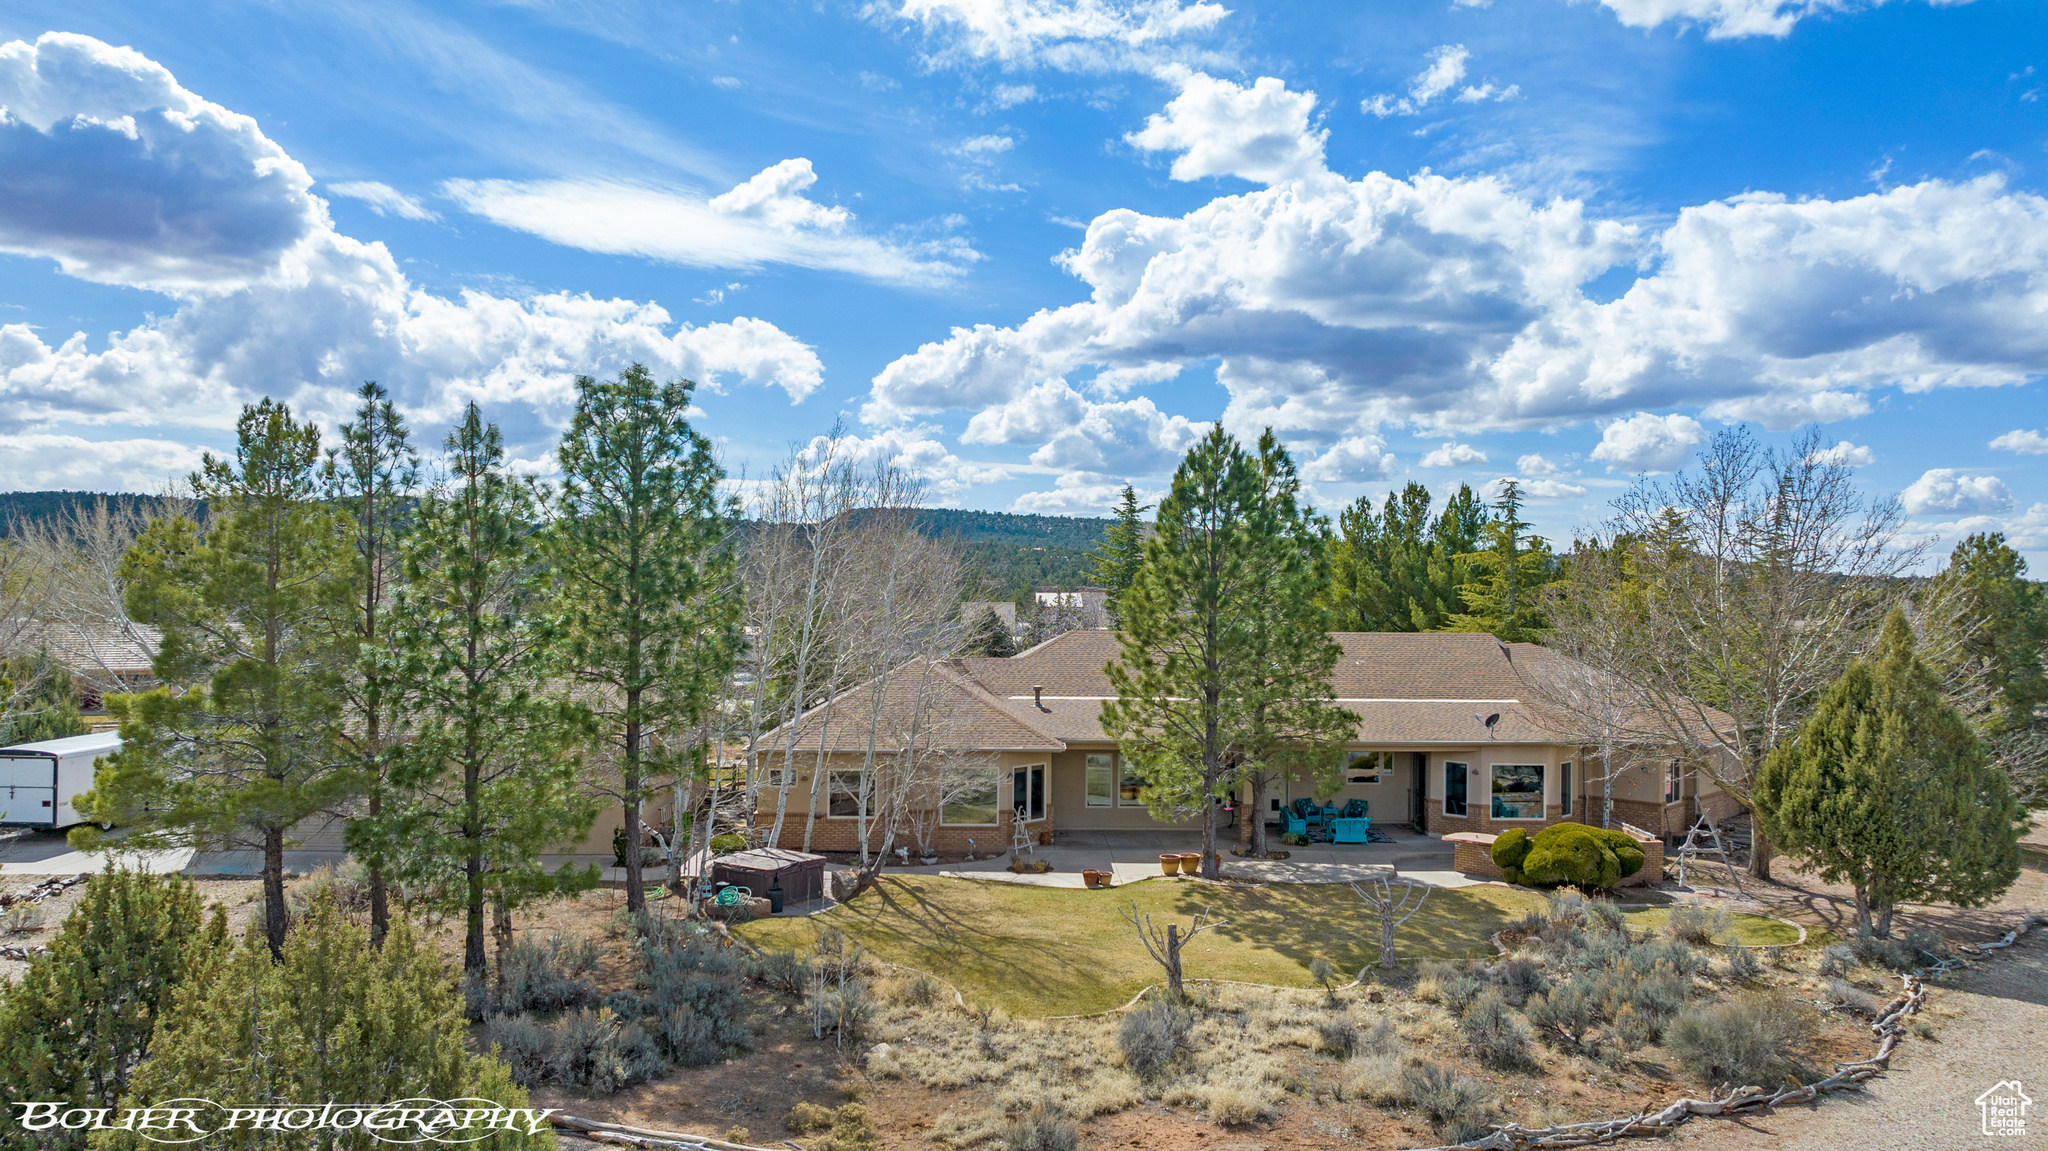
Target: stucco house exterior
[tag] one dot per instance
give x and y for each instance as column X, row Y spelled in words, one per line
column 1423, row 753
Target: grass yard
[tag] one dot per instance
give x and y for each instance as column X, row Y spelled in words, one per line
column 1752, row 930
column 1037, row 951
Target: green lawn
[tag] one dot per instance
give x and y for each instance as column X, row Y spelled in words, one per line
column 1061, row 951
column 1753, row 930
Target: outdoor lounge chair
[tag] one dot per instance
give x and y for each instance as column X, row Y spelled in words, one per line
column 1356, row 809
column 1308, row 811
column 1357, row 829
column 1295, row 824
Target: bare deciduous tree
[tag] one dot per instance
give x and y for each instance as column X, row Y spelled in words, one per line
column 1748, row 584
column 1165, row 943
column 1394, row 904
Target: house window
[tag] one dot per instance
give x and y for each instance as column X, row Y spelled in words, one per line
column 1027, row 791
column 1518, row 791
column 1130, row 790
column 973, row 807
column 1564, row 787
column 844, row 795
column 1674, row 779
column 1101, row 779
column 1454, row 788
column 1366, row 766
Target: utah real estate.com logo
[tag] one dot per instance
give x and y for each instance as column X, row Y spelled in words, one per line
column 2005, row 1108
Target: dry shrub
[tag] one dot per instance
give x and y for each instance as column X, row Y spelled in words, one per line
column 1240, row 1099
column 805, row 1118
column 1697, row 926
column 1376, row 1079
column 973, row 1129
column 1152, row 1036
column 1854, row 998
column 1042, row 1128
column 1457, row 1108
column 1750, row 1040
column 1493, row 1034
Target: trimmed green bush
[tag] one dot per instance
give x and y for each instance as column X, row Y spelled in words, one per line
column 1509, row 850
column 1592, row 858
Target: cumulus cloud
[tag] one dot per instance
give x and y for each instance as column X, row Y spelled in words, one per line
column 1646, row 443
column 272, row 300
column 383, row 199
column 1067, row 35
column 1260, row 133
column 1078, row 495
column 1947, row 491
column 2027, row 531
column 39, row 461
column 1126, row 437
column 1735, row 19
column 1551, row 490
column 1333, row 306
column 766, row 220
column 914, row 450
column 1535, row 465
column 2023, row 441
column 1847, row 455
column 1354, row 459
column 1454, row 456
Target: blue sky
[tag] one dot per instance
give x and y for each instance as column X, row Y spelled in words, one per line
column 1031, row 248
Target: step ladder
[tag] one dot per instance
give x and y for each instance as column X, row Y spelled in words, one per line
column 1020, row 836
column 1694, row 850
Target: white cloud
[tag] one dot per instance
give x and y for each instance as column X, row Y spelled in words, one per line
column 2027, row 531
column 915, row 451
column 37, row 461
column 1549, row 490
column 1444, row 72
column 1735, row 19
column 271, row 299
column 1260, row 133
column 1068, row 35
column 1847, row 455
column 1076, row 494
column 729, row 83
column 1534, row 466
column 1948, row 491
column 1011, row 95
column 985, row 145
column 383, row 199
column 1649, row 443
column 1353, row 459
column 1454, row 456
column 2023, row 441
column 766, row 220
column 1126, row 437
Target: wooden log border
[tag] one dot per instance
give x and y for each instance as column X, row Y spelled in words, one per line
column 1889, row 1028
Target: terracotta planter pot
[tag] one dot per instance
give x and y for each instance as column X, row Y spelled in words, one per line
column 1191, row 863
column 1091, row 877
column 1170, row 864
column 1045, row 839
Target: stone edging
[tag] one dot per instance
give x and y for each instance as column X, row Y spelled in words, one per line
column 1890, row 1027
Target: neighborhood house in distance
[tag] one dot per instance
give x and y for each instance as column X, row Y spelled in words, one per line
column 1423, row 753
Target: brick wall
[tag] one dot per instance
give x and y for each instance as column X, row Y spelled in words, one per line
column 1472, row 854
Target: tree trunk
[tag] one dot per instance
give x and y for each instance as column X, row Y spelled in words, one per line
column 1864, row 927
column 275, row 913
column 501, row 927
column 1209, row 868
column 380, row 893
column 1173, row 942
column 1386, row 937
column 473, row 872
column 1255, row 815
column 636, row 896
column 1759, row 850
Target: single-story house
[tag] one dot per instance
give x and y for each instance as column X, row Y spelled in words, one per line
column 1424, row 752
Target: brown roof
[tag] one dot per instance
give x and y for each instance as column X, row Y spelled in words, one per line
column 957, row 712
column 112, row 650
column 1405, row 687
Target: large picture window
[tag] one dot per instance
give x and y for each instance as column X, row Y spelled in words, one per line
column 973, row 806
column 1366, row 766
column 1101, row 779
column 1518, row 791
column 1454, row 788
column 844, row 794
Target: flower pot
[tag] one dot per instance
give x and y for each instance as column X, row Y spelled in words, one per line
column 1045, row 839
column 1169, row 864
column 928, row 860
column 1091, row 877
column 1190, row 863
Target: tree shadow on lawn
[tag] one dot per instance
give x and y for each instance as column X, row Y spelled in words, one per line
column 1306, row 921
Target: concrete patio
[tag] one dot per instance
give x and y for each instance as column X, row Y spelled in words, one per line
column 1130, row 856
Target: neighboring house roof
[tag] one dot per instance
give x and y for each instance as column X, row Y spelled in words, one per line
column 103, row 650
column 955, row 713
column 1405, row 687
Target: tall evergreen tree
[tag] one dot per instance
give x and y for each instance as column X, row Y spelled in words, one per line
column 991, row 636
column 335, row 1021
column 373, row 477
column 1397, row 569
column 237, row 747
column 647, row 603
column 488, row 781
column 1886, row 788
column 38, row 700
column 85, row 1013
column 1511, row 569
column 1122, row 549
column 1223, row 653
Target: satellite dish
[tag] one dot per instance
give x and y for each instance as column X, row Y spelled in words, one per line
column 1491, row 720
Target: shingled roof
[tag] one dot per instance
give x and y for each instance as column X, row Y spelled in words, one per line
column 1405, row 687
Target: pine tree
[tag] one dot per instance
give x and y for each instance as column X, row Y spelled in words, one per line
column 373, row 476
column 237, row 747
column 990, row 636
column 1122, row 550
column 1886, row 788
column 1223, row 653
column 489, row 779
column 85, row 1013
column 1398, row 570
column 647, row 604
column 335, row 1021
column 37, row 700
column 1512, row 569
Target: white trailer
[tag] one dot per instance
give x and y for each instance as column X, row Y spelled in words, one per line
column 39, row 780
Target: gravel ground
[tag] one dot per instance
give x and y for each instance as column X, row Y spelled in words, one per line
column 1990, row 1027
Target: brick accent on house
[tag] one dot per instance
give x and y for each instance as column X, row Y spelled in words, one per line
column 1472, row 854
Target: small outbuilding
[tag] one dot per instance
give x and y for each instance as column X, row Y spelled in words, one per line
column 799, row 874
